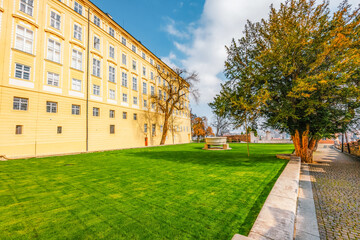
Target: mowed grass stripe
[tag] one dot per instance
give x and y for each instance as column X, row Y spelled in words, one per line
column 170, row 192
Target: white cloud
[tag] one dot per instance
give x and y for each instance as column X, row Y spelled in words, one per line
column 170, row 60
column 171, row 29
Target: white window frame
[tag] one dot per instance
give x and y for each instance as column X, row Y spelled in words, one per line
column 77, row 32
column 51, row 107
column 76, row 84
column 20, row 104
column 144, row 71
column 54, row 50
column 144, row 88
column 96, row 42
column 152, row 90
column 123, row 59
column 124, row 79
column 123, row 40
column 96, row 90
column 135, row 100
column 135, row 84
column 111, row 74
column 111, row 32
column 55, row 20
column 78, row 8
column 27, row 6
column 76, row 59
column 145, row 103
column 96, row 112
column 134, row 65
column 111, row 113
column 96, row 67
column 133, row 48
column 75, row 109
column 124, row 97
column 24, row 39
column 53, row 79
column 111, row 51
column 22, row 71
column 97, row 21
column 112, row 94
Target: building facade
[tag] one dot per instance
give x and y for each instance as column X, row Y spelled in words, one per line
column 72, row 80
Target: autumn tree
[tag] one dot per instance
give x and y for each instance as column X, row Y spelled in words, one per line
column 200, row 129
column 174, row 90
column 298, row 71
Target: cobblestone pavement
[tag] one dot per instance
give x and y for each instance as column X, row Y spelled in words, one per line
column 336, row 185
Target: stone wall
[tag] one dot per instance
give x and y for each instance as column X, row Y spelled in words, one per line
column 354, row 148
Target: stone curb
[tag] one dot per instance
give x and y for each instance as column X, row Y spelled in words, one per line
column 276, row 219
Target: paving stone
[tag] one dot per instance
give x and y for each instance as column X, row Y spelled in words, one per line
column 336, row 189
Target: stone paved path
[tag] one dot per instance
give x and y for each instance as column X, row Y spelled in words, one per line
column 336, row 186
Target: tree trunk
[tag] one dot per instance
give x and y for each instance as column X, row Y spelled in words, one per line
column 303, row 147
column 165, row 130
column 347, row 143
column 247, row 139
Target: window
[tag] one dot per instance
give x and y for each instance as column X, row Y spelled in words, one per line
column 164, row 96
column 134, row 65
column 20, row 103
column 55, row 20
column 24, row 39
column 18, row 129
column 96, row 111
column 135, row 100
column 153, row 129
column 112, row 129
column 96, row 67
column 123, row 59
column 161, row 128
column 51, row 107
column 151, row 61
column 145, row 128
column 54, row 49
column 124, row 97
column 96, row 89
column 145, row 103
column 111, row 52
column 22, row 71
column 75, row 109
column 97, row 21
column 151, row 75
column 135, row 84
column 135, row 116
column 152, row 89
column 124, row 79
column 76, row 59
column 111, row 32
column 143, row 55
column 144, row 88
column 112, row 113
column 133, row 48
column 153, row 105
column 96, row 43
column 53, row 79
column 76, row 85
column 111, row 74
column 124, row 115
column 164, row 82
column 59, row 129
column 123, row 40
column 160, row 94
column 78, row 8
column 111, row 94
column 27, row 6
column 144, row 71
column 77, row 32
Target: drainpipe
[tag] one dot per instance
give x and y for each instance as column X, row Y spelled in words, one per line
column 87, row 82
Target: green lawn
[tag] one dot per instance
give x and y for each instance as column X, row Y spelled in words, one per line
column 171, row 192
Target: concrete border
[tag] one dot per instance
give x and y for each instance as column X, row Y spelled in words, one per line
column 276, row 219
column 306, row 222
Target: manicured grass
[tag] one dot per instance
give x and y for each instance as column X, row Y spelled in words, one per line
column 171, row 192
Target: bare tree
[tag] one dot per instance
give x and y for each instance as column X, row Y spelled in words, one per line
column 222, row 124
column 174, row 88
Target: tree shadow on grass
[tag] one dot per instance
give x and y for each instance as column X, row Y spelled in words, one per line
column 230, row 159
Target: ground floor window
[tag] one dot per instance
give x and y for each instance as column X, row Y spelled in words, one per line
column 59, row 129
column 75, row 109
column 18, row 129
column 51, row 107
column 96, row 112
column 112, row 129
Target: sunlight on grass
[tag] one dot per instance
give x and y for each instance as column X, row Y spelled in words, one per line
column 171, row 192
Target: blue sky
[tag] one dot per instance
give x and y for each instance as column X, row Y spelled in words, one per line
column 191, row 34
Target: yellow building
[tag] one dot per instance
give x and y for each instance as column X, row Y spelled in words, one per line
column 72, row 80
